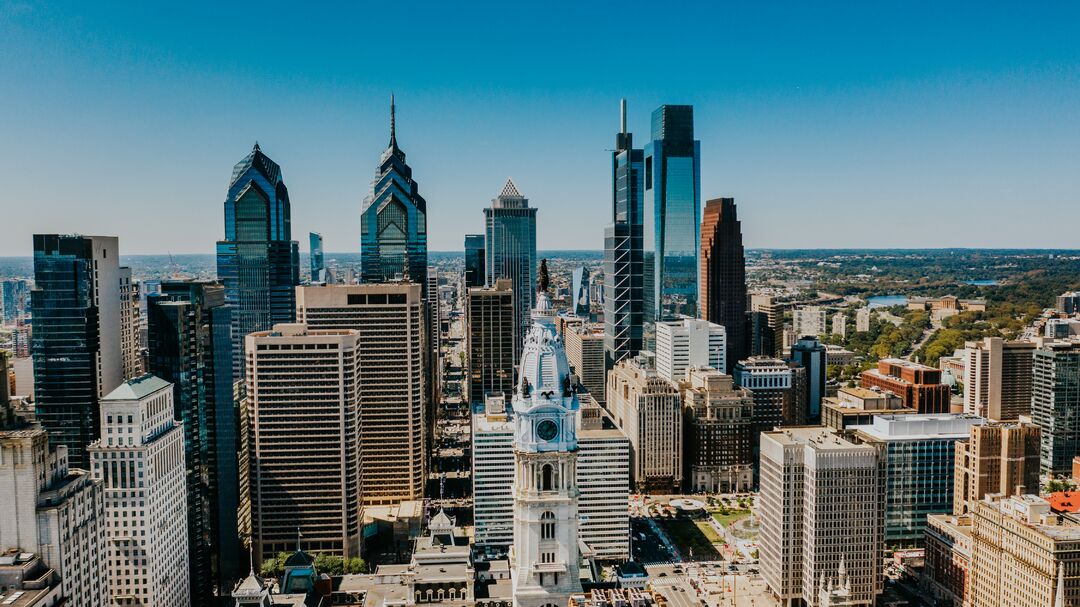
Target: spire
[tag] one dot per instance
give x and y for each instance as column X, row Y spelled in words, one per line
column 393, row 127
column 622, row 116
column 1059, row 600
column 842, row 573
column 256, row 147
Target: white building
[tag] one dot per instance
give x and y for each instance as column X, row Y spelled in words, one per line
column 140, row 461
column 686, row 343
column 493, row 474
column 648, row 409
column 585, row 353
column 54, row 511
column 545, row 558
column 821, row 512
column 810, row 320
column 839, row 324
column 862, row 319
column 997, row 378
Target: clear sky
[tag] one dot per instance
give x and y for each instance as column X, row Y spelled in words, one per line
column 864, row 124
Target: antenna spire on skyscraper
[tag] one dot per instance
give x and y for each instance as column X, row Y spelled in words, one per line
column 393, row 127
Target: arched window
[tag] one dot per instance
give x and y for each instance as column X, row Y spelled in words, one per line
column 547, row 482
column 547, row 526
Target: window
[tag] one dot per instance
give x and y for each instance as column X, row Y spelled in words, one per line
column 547, row 478
column 547, row 526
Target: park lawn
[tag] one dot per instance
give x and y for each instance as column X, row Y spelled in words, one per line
column 730, row 517
column 696, row 535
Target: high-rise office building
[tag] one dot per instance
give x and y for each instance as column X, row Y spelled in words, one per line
column 810, row 320
column 1055, row 403
column 997, row 378
column 624, row 270
column 648, row 409
column 130, row 323
column 139, row 460
column 393, row 221
column 258, row 261
column 919, row 454
column 77, row 343
column 390, row 320
column 719, row 427
column 16, row 300
column 490, row 340
column 766, row 326
column 722, row 283
column 585, row 352
column 770, row 380
column 996, row 458
column 672, row 217
column 839, row 324
column 810, row 354
column 919, row 386
column 510, row 247
column 317, row 259
column 189, row 345
column 474, row 260
column 303, row 441
column 821, row 509
column 579, row 287
column 54, row 511
column 862, row 319
column 686, row 343
column 1068, row 302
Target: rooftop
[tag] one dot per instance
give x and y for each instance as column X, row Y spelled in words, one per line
column 138, row 388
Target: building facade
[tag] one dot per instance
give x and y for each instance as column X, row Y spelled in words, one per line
column 917, row 385
column 474, row 260
column 997, row 378
column 585, row 353
column 648, row 409
column 722, row 280
column 810, row 321
column 317, row 258
column 258, row 262
column 389, row 320
column 77, row 347
column 490, row 340
column 1055, row 403
column 689, row 342
column 130, row 323
column 510, row 249
column 139, row 460
column 303, row 441
column 997, row 458
column 718, row 423
column 812, row 355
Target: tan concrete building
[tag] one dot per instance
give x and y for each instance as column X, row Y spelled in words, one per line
column 585, row 353
column 303, row 441
column 389, row 320
column 997, row 378
column 858, row 406
column 946, row 575
column 718, row 423
column 998, row 458
column 1024, row 555
column 648, row 409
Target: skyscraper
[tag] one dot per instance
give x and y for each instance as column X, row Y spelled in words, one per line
column 490, row 340
column 648, row 409
column 318, row 263
column 997, row 458
column 719, row 427
column 997, row 378
column 474, row 260
column 672, row 213
column 393, row 222
column 258, row 261
column 77, row 338
column 810, row 354
column 723, row 276
column 624, row 295
column 189, row 345
column 146, row 523
column 1055, row 403
column 389, row 365
column 580, row 291
column 510, row 246
column 130, row 352
column 766, row 326
column 687, row 343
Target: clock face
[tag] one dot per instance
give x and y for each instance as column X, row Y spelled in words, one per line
column 547, row 429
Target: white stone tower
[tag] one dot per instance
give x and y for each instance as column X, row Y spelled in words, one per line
column 544, row 559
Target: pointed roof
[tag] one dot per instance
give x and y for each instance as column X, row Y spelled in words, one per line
column 510, row 189
column 1059, row 599
column 260, row 162
column 138, row 388
column 252, row 585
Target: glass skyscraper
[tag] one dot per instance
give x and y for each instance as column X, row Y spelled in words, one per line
column 393, row 223
column 579, row 283
column 318, row 263
column 624, row 271
column 75, row 306
column 510, row 246
column 189, row 345
column 258, row 262
column 474, row 260
column 722, row 287
column 672, row 214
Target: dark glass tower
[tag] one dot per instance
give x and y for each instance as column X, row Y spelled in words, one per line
column 809, row 352
column 624, row 271
column 75, row 306
column 474, row 260
column 189, row 345
column 393, row 223
column 723, row 276
column 673, row 203
column 510, row 245
column 258, row 262
column 318, row 263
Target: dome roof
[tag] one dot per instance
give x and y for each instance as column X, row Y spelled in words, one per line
column 543, row 364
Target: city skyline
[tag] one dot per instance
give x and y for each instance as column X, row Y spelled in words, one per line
column 843, row 117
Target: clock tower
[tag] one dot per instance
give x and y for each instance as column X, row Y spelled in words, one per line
column 544, row 558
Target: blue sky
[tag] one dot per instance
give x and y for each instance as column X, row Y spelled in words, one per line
column 832, row 124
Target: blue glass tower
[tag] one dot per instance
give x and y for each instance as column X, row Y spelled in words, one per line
column 510, row 239
column 672, row 214
column 474, row 260
column 189, row 345
column 393, row 223
column 624, row 271
column 318, row 264
column 258, row 262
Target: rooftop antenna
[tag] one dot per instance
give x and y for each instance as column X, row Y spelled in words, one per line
column 622, row 115
column 393, row 126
